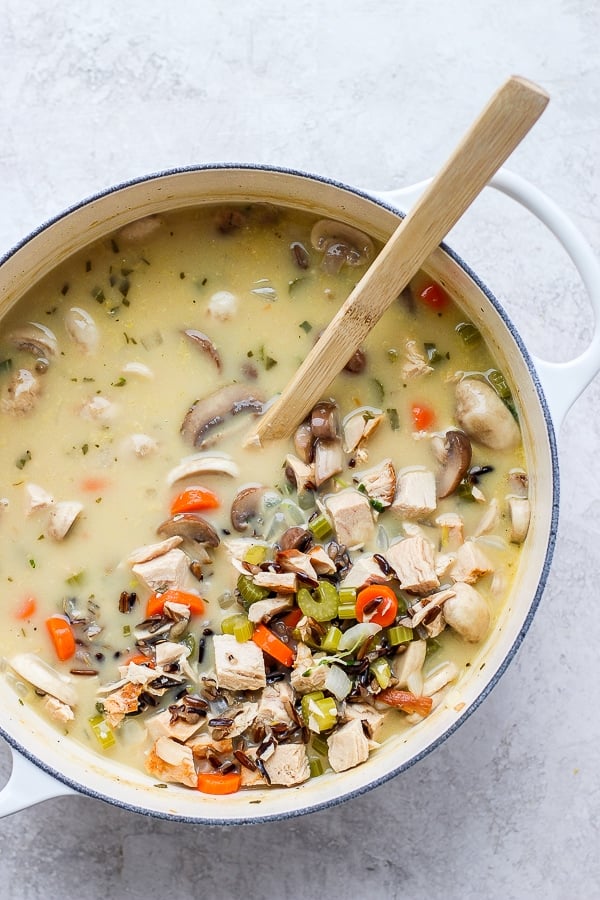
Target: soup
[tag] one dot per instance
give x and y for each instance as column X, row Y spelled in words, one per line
column 223, row 616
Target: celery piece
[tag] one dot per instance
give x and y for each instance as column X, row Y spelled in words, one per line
column 433, row 645
column 398, row 634
column 243, row 629
column 321, row 605
column 229, row 623
column 331, row 640
column 469, row 333
column 346, row 611
column 319, row 712
column 189, row 641
column 320, row 526
column 308, row 700
column 250, row 592
column 498, row 382
column 347, row 595
column 103, row 732
column 315, row 764
column 380, row 668
column 255, row 555
column 319, row 745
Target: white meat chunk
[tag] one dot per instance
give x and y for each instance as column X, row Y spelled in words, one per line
column 415, row 494
column 99, row 409
column 359, row 425
column 452, row 527
column 348, row 746
column 282, row 582
column 264, row 610
column 82, row 329
column 364, row 570
column 407, row 666
column 484, row 417
column 321, row 561
column 140, row 229
column 471, row 563
column 352, row 518
column 415, row 363
column 223, row 305
column 171, row 761
column 238, row 666
column 242, row 716
column 141, row 445
column 21, row 394
column 160, row 726
column 58, row 710
column 166, row 572
column 307, row 675
column 275, row 704
column 36, row 498
column 151, row 551
column 468, row 613
column 41, row 675
column 367, row 714
column 379, row 482
column 288, row 765
column 122, row 701
column 413, row 561
column 62, row 518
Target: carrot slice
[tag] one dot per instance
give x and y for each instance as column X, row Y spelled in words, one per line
column 194, row 498
column 434, row 296
column 377, row 603
column 271, row 644
column 26, row 609
column 94, row 483
column 423, row 416
column 62, row 636
column 407, row 702
column 219, row 783
column 291, row 619
column 157, row 602
column 140, row 660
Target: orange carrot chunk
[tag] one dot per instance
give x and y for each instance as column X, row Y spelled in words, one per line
column 271, row 644
column 62, row 636
column 219, row 783
column 26, row 608
column 407, row 702
column 193, row 498
column 377, row 603
column 422, row 415
column 157, row 601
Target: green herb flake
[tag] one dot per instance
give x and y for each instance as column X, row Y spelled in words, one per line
column 393, row 355
column 269, row 362
column 85, row 448
column 394, row 419
column 306, row 326
column 126, row 630
column 379, row 389
column 6, row 365
column 32, row 563
column 65, row 288
column 23, row 460
column 120, row 382
column 433, row 354
column 98, row 295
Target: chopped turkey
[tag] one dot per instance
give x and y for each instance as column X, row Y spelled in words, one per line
column 238, row 666
column 58, row 710
column 415, row 494
column 99, row 409
column 41, row 675
column 36, row 498
column 408, row 664
column 288, row 765
column 296, row 561
column 452, row 527
column 352, row 518
column 468, row 613
column 359, row 425
column 370, row 717
column 264, row 610
column 365, row 570
column 415, row 363
column 307, row 675
column 201, row 744
column 471, row 563
column 170, row 571
column 118, row 704
column 321, row 561
column 160, row 725
column 62, row 518
column 348, row 746
column 151, row 551
column 141, row 444
column 21, row 394
column 173, row 762
column 275, row 705
column 302, row 474
column 413, row 561
column 379, row 482
column 282, row 582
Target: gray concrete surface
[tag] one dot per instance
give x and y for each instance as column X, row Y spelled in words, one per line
column 375, row 94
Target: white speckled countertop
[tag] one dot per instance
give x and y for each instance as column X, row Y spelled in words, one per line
column 374, row 94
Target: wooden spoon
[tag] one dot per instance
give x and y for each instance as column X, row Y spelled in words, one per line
column 500, row 127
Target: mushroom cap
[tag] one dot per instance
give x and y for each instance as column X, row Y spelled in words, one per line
column 457, row 459
column 341, row 244
column 467, row 612
column 245, row 505
column 205, row 344
column 484, row 417
column 190, row 526
column 39, row 340
column 208, row 412
column 324, row 420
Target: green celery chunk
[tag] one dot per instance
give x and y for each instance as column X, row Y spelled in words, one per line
column 320, row 527
column 103, row 732
column 255, row 555
column 315, row 764
column 321, row 605
column 243, row 629
column 380, row 668
column 398, row 634
column 229, row 623
column 250, row 592
column 320, row 713
column 331, row 640
column 347, row 611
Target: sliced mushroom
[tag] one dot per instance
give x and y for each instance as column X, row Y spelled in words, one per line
column 457, row 459
column 299, row 474
column 190, row 526
column 296, row 538
column 211, row 411
column 324, row 420
column 245, row 506
column 409, row 662
column 42, row 676
column 202, row 464
column 484, row 417
column 39, row 340
column 518, row 483
column 205, row 344
column 62, row 518
column 520, row 513
column 357, row 362
column 329, row 460
column 341, row 244
column 82, row 329
column 304, row 442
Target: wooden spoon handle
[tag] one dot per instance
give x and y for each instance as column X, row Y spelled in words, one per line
column 504, row 122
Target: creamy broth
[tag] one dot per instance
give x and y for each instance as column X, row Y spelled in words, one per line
column 250, row 280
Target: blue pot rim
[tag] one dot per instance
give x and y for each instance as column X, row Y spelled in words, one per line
column 257, row 818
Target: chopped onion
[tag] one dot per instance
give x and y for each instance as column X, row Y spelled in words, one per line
column 338, row 683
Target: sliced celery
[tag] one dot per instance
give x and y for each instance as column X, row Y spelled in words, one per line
column 251, row 592
column 315, row 765
column 347, row 595
column 320, row 527
column 255, row 555
column 321, row 605
column 331, row 640
column 229, row 623
column 243, row 629
column 398, row 634
column 347, row 611
column 380, row 668
column 103, row 732
column 319, row 745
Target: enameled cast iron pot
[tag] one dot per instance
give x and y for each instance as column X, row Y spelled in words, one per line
column 45, row 764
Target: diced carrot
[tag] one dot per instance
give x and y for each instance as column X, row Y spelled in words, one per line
column 434, row 296
column 219, row 783
column 26, row 608
column 157, row 602
column 376, row 603
column 94, row 483
column 62, row 636
column 407, row 702
column 271, row 644
column 140, row 660
column 194, row 498
column 291, row 619
column 423, row 416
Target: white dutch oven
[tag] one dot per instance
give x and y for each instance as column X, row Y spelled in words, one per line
column 45, row 764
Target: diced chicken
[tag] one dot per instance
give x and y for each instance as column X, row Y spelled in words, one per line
column 141, row 445
column 365, row 570
column 282, row 582
column 242, row 716
column 42, row 676
column 62, row 518
column 303, row 474
column 288, row 765
column 201, row 744
column 238, row 666
column 58, row 710
column 99, row 409
column 222, row 305
column 139, row 674
column 452, row 528
column 169, row 571
column 471, row 563
column 414, row 563
column 367, row 714
column 264, row 610
column 415, row 363
column 443, row 561
column 307, row 675
column 169, row 652
column 123, row 701
column 352, row 518
column 296, row 561
column 36, row 498
column 348, row 746
column 408, row 664
column 276, row 702
column 415, row 494
column 468, row 613
column 21, row 394
column 484, row 417
column 160, row 726
column 321, row 561
column 359, row 425
column 171, row 761
column 379, row 482
column 151, row 551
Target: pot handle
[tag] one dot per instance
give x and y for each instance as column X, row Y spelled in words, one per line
column 27, row 786
column 562, row 382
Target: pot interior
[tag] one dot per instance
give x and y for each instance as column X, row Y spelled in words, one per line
column 96, row 218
